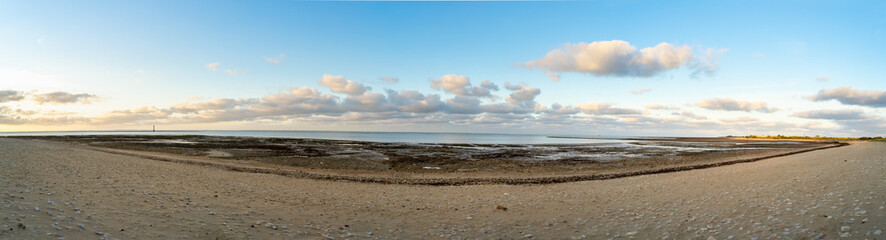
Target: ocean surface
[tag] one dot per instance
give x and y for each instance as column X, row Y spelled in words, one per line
column 404, row 137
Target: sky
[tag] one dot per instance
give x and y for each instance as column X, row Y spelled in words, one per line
column 639, row 68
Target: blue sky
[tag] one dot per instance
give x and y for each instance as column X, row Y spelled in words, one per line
column 133, row 62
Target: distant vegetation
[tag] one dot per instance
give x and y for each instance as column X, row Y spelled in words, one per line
column 816, row 137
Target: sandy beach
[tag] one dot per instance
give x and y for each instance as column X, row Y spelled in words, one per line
column 51, row 190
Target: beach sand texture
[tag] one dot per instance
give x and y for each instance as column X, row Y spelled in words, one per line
column 51, row 190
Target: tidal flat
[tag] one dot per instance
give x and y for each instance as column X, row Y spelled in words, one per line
column 445, row 164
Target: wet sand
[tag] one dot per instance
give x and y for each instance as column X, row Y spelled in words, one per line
column 819, row 194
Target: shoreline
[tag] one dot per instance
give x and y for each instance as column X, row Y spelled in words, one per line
column 709, row 139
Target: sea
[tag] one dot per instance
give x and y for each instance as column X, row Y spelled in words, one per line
column 401, row 137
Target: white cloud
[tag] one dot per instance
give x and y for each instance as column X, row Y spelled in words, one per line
column 15, row 116
column 299, row 100
column 213, row 66
column 851, row 96
column 758, row 55
column 522, row 95
column 842, row 114
column 690, row 115
column 556, row 108
column 414, row 101
column 727, row 104
column 639, row 91
column 461, row 86
column 275, row 61
column 463, row 105
column 339, row 84
column 63, row 98
column 11, row 96
column 367, row 102
column 620, row 58
column 213, row 104
column 140, row 114
column 660, row 107
column 595, row 108
column 389, row 79
column 707, row 64
column 233, row 72
column 305, row 106
column 822, row 79
column 850, row 121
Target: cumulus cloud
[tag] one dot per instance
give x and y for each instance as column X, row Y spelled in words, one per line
column 367, row 102
column 213, row 66
column 463, row 105
column 502, row 108
column 14, row 116
column 660, row 107
column 63, row 98
column 234, row 72
column 139, row 114
column 620, row 58
column 727, row 104
column 299, row 100
column 11, row 96
column 689, row 115
column 850, row 121
column 275, row 61
column 461, row 86
column 360, row 103
column 338, row 84
column 741, row 120
column 843, row 114
column 595, row 108
column 851, row 96
column 639, row 91
column 558, row 109
column 518, row 110
column 414, row 101
column 522, row 95
column 389, row 79
column 213, row 104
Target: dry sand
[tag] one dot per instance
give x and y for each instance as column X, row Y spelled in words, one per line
column 50, row 190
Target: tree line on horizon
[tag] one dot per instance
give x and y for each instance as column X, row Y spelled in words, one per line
column 817, row 137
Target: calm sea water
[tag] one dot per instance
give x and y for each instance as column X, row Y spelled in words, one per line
column 406, row 137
